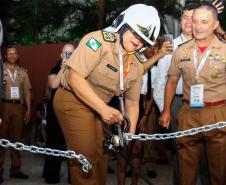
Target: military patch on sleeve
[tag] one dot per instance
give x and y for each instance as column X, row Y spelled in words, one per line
column 93, row 44
column 109, row 37
column 141, row 57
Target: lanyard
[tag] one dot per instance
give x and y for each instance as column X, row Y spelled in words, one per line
column 124, row 72
column 127, row 65
column 121, row 70
column 200, row 66
column 12, row 75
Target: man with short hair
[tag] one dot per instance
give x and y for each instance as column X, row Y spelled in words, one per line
column 16, row 94
column 202, row 64
column 162, row 72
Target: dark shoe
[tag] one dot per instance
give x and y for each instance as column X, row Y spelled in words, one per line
column 129, row 173
column 19, row 175
column 1, row 175
column 51, row 181
column 162, row 161
column 152, row 174
column 110, row 170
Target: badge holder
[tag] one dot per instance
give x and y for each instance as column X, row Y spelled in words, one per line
column 196, row 93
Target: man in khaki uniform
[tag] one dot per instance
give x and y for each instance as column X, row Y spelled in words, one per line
column 91, row 79
column 202, row 64
column 16, row 94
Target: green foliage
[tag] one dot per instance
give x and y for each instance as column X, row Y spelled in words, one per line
column 223, row 17
column 29, row 22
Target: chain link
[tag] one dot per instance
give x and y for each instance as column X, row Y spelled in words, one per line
column 190, row 132
column 86, row 166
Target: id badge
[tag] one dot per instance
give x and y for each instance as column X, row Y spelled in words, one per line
column 14, row 93
column 196, row 95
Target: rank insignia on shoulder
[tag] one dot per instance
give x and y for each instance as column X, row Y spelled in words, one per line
column 23, row 68
column 185, row 59
column 109, row 37
column 93, row 44
column 183, row 43
column 141, row 57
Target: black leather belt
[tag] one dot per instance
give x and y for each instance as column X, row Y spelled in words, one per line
column 179, row 95
column 11, row 101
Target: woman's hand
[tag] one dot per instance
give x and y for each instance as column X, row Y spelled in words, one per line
column 111, row 115
column 166, row 48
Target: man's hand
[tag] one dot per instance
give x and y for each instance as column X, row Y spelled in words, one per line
column 218, row 5
column 142, row 123
column 111, row 115
column 27, row 117
column 165, row 118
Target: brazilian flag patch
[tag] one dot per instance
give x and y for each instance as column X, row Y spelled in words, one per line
column 93, row 44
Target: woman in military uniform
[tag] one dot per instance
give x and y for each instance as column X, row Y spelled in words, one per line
column 92, row 78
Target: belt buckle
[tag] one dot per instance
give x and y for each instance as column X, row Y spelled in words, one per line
column 15, row 101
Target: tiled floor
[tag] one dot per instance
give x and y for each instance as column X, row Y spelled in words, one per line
column 33, row 164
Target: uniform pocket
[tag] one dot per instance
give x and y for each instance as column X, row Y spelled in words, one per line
column 104, row 77
column 187, row 68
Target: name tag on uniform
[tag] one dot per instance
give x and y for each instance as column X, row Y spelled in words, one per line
column 185, row 60
column 196, row 95
column 14, row 93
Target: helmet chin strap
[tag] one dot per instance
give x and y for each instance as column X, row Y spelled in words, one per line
column 121, row 33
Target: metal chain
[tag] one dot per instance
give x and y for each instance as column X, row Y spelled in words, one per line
column 86, row 166
column 190, row 132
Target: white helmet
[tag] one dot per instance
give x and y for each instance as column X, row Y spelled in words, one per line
column 142, row 19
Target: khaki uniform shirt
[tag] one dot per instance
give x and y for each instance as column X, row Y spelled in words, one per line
column 22, row 81
column 212, row 75
column 99, row 65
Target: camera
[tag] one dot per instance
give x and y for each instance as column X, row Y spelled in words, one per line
column 68, row 54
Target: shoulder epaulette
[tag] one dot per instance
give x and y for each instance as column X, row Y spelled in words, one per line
column 183, row 43
column 23, row 68
column 140, row 57
column 108, row 36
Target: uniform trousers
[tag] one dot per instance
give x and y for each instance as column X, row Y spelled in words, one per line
column 83, row 133
column 176, row 106
column 153, row 149
column 190, row 148
column 11, row 128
